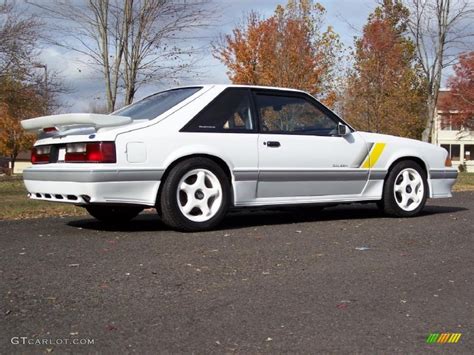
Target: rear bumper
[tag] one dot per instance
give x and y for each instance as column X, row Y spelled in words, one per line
column 83, row 186
column 91, row 175
column 441, row 182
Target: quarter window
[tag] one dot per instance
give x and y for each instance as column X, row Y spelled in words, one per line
column 229, row 112
column 288, row 114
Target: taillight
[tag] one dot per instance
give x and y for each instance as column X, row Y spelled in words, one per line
column 94, row 152
column 49, row 129
column 40, row 154
column 448, row 163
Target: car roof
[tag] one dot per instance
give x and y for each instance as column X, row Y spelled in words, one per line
column 224, row 86
column 257, row 87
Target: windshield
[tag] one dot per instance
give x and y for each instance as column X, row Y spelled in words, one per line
column 154, row 105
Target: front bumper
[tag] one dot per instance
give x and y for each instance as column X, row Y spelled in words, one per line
column 442, row 181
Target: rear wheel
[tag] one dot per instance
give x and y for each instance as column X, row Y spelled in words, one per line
column 195, row 195
column 113, row 214
column 405, row 190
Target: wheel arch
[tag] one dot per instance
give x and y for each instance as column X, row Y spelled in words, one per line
column 219, row 161
column 415, row 159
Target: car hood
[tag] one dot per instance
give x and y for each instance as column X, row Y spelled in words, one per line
column 385, row 138
column 433, row 155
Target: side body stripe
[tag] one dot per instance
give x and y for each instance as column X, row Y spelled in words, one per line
column 373, row 155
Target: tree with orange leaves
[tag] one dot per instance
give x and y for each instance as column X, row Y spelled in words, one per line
column 288, row 49
column 386, row 90
column 17, row 101
column 461, row 84
column 24, row 91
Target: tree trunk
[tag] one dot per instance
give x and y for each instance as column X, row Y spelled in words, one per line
column 108, row 90
column 430, row 116
column 130, row 93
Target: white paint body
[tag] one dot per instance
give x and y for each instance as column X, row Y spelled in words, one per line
column 319, row 169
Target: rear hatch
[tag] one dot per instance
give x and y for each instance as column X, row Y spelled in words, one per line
column 72, row 138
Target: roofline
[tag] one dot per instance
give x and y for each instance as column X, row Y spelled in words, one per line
column 224, row 86
column 256, row 87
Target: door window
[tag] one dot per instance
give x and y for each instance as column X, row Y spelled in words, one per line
column 292, row 115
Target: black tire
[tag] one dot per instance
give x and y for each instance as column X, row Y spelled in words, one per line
column 389, row 204
column 303, row 208
column 315, row 208
column 113, row 214
column 171, row 213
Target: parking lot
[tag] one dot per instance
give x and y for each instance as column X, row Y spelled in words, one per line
column 345, row 279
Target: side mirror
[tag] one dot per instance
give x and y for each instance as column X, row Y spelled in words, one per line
column 343, row 130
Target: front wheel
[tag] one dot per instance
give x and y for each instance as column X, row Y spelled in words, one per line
column 405, row 190
column 113, row 214
column 195, row 196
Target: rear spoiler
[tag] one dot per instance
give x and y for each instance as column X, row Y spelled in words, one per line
column 71, row 120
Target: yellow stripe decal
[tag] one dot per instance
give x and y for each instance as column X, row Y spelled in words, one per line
column 454, row 337
column 373, row 156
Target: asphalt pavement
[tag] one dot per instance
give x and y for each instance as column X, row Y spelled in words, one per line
column 344, row 280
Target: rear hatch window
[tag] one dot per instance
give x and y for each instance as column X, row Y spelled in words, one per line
column 154, row 105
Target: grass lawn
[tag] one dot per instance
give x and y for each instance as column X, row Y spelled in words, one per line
column 16, row 205
column 465, row 182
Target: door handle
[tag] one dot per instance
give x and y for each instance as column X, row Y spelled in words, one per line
column 273, row 144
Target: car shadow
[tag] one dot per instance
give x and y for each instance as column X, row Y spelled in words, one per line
column 252, row 217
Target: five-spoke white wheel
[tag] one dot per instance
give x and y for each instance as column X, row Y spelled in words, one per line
column 408, row 189
column 405, row 190
column 199, row 195
column 195, row 195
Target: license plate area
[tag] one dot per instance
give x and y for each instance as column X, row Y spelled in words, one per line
column 58, row 153
column 62, row 154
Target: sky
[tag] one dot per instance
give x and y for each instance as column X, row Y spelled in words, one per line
column 86, row 86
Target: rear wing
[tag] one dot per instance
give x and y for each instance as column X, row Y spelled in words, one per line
column 72, row 120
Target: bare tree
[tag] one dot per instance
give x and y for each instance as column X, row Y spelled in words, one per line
column 132, row 42
column 98, row 107
column 18, row 39
column 440, row 29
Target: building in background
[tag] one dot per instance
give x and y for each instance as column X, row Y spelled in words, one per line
column 456, row 139
column 23, row 161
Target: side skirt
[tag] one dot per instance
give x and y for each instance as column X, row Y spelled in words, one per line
column 306, row 200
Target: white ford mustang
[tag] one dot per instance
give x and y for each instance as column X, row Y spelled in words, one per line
column 193, row 152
